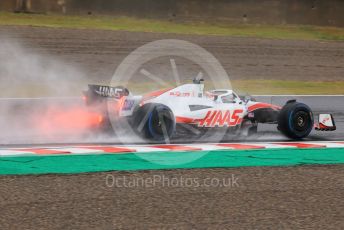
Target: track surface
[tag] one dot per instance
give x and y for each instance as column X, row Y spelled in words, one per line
column 19, row 116
column 267, row 198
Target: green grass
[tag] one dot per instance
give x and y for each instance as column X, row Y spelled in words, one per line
column 162, row 26
column 253, row 87
column 288, row 87
column 274, row 87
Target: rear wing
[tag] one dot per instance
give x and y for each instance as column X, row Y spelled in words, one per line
column 108, row 91
column 97, row 93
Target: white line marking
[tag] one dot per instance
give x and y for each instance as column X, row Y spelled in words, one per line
column 140, row 149
column 273, row 146
column 331, row 145
column 14, row 153
column 334, row 145
column 37, row 98
column 153, row 148
column 300, row 95
column 73, row 150
column 210, row 147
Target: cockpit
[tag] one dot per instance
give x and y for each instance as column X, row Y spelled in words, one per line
column 224, row 96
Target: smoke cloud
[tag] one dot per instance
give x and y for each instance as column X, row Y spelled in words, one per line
column 40, row 99
column 24, row 73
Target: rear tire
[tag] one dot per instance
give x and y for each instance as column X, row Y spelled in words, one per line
column 295, row 120
column 155, row 122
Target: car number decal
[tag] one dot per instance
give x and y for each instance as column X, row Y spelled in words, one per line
column 128, row 104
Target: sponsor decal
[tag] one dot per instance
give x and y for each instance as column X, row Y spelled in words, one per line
column 107, row 91
column 325, row 120
column 182, row 94
column 221, row 118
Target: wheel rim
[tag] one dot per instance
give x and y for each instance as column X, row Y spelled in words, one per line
column 159, row 121
column 301, row 121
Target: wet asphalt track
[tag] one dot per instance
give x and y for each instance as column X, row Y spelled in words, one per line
column 21, row 119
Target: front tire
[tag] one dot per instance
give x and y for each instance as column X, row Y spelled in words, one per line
column 295, row 120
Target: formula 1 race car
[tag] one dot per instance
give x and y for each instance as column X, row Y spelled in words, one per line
column 160, row 115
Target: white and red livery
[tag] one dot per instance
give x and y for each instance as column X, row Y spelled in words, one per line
column 160, row 115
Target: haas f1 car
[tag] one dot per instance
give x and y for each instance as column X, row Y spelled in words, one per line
column 161, row 115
